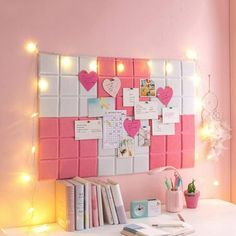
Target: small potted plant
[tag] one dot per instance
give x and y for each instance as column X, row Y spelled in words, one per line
column 191, row 195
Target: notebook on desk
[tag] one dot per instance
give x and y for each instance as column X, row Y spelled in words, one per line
column 165, row 225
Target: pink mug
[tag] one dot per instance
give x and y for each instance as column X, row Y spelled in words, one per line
column 174, row 200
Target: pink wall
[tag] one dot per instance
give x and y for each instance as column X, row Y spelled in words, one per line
column 233, row 86
column 144, row 28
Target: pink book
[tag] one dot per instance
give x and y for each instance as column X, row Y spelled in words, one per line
column 94, row 206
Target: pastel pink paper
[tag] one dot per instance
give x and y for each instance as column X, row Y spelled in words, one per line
column 132, row 127
column 88, row 167
column 69, row 148
column 112, row 86
column 48, row 169
column 88, row 80
column 49, row 149
column 48, row 127
column 164, row 95
column 68, row 168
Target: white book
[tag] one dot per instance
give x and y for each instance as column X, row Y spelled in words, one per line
column 88, row 203
column 112, row 205
column 79, row 204
column 118, row 201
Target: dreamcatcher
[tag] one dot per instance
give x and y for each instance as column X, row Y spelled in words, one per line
column 214, row 130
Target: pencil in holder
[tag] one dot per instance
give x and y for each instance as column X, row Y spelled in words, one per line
column 174, row 200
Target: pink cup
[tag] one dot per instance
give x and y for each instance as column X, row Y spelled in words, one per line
column 174, row 200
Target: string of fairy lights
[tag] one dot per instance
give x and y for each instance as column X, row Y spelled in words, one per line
column 32, row 48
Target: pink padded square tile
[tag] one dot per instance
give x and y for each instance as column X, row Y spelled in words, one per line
column 126, row 82
column 69, row 148
column 157, row 160
column 188, row 141
column 68, row 168
column 67, row 126
column 158, row 144
column 106, row 66
column 48, row 169
column 88, row 167
column 124, row 67
column 48, row 127
column 188, row 124
column 48, row 149
column 188, row 158
column 88, row 148
column 178, row 128
column 173, row 159
column 141, row 67
column 119, row 106
column 173, row 143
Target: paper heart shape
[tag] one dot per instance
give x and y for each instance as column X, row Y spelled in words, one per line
column 132, row 127
column 164, row 94
column 112, row 86
column 88, row 80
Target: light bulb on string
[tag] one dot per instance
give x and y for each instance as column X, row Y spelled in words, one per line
column 191, row 54
column 31, row 47
column 43, row 84
column 120, row 67
column 25, row 178
column 93, row 66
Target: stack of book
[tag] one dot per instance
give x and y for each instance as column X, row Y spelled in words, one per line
column 83, row 204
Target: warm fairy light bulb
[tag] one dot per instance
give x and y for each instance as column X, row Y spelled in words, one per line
column 31, row 47
column 30, row 210
column 196, row 155
column 216, row 183
column 25, row 178
column 149, row 63
column 209, row 157
column 169, row 68
column 43, row 85
column 66, row 62
column 40, row 228
column 93, row 66
column 191, row 54
column 198, row 104
column 34, row 114
column 120, row 67
column 33, row 149
column 206, row 132
column 197, row 80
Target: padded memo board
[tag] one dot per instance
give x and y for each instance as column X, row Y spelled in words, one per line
column 66, row 101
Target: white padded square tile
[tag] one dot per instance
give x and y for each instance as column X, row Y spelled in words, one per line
column 159, row 82
column 48, row 106
column 83, row 106
column 188, row 105
column 173, row 69
column 69, row 86
column 88, row 63
column 159, row 105
column 105, row 152
column 69, row 65
column 188, row 87
column 91, row 93
column 124, row 166
column 176, row 102
column 157, row 68
column 106, row 166
column 188, row 68
column 68, row 106
column 48, row 64
column 175, row 84
column 53, row 85
column 141, row 163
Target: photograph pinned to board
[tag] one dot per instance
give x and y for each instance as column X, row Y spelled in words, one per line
column 126, row 148
column 98, row 106
column 144, row 136
column 147, row 88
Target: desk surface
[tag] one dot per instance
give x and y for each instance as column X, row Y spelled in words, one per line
column 212, row 217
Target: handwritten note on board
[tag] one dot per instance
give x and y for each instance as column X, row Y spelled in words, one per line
column 158, row 128
column 130, row 96
column 170, row 115
column 88, row 129
column 146, row 110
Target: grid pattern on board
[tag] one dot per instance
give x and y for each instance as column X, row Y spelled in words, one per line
column 65, row 101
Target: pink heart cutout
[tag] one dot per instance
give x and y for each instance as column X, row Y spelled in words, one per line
column 88, row 80
column 132, row 127
column 164, row 94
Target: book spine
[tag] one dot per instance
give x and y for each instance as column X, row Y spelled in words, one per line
column 79, row 207
column 86, row 206
column 94, row 206
column 112, row 206
column 119, row 205
column 70, row 208
column 106, row 207
column 100, row 210
column 90, row 206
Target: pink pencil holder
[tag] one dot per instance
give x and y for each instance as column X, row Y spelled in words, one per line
column 174, row 200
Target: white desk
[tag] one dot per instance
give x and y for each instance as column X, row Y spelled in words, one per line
column 212, row 217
